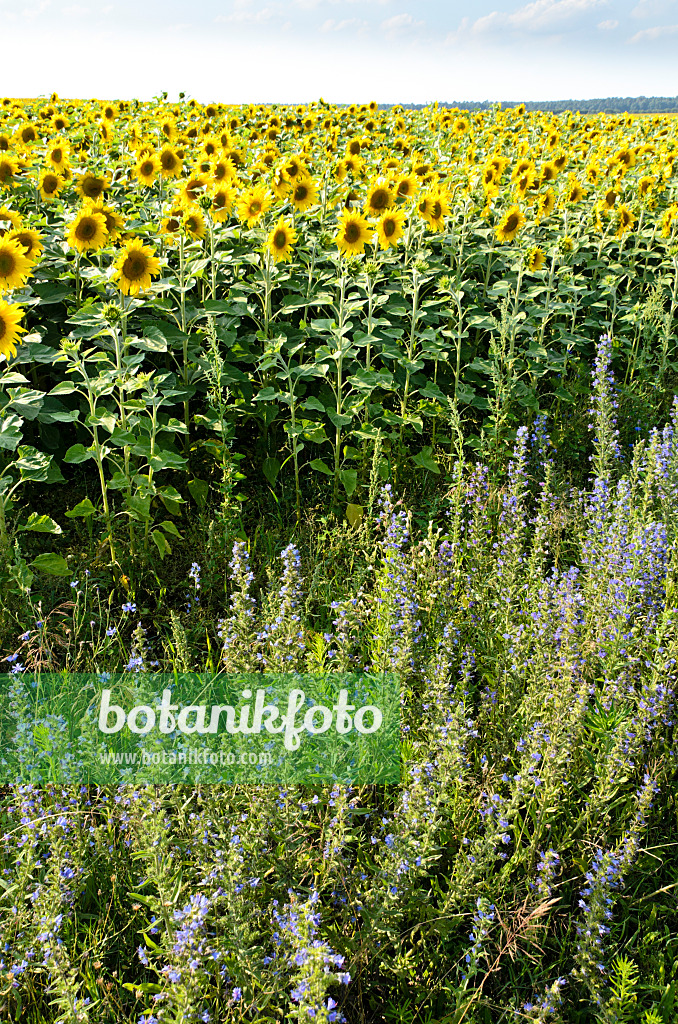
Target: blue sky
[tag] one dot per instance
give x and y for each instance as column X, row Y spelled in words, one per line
column 344, row 50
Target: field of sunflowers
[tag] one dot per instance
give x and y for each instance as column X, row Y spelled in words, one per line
column 317, row 389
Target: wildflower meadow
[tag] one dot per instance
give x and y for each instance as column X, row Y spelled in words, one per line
column 343, row 392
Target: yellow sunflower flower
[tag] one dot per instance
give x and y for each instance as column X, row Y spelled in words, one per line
column 281, row 240
column 193, row 188
column 510, row 224
column 10, row 315
column 574, row 192
column 223, row 199
column 253, row 204
column 433, row 208
column 8, row 169
column 625, row 221
column 546, row 204
column 115, row 225
column 135, row 266
column 147, row 170
column 379, row 199
column 304, row 194
column 535, row 259
column 405, row 187
column 91, row 186
column 15, row 267
column 171, row 224
column 87, row 232
column 50, row 184
column 352, row 234
column 30, row 240
column 170, row 163
column 669, row 218
column 390, row 228
column 194, row 223
column 10, row 220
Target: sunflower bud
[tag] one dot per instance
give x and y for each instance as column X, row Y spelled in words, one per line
column 111, row 312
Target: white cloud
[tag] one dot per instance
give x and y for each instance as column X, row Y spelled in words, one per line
column 340, row 26
column 651, row 8
column 400, row 23
column 75, row 11
column 242, row 16
column 648, row 35
column 607, row 26
column 539, row 16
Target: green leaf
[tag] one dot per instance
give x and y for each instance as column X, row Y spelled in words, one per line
column 354, row 514
column 51, row 563
column 339, row 419
column 169, row 527
column 270, row 467
column 349, row 478
column 424, row 461
column 198, row 489
column 161, row 542
column 139, row 506
column 40, row 524
column 32, row 464
column 321, row 467
column 10, row 431
column 171, row 499
column 26, row 401
column 82, row 510
column 166, row 460
column 78, row 453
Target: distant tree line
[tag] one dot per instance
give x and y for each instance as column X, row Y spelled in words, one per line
column 610, row 105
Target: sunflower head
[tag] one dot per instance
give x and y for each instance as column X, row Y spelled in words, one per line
column 390, row 228
column 194, row 222
column 281, row 240
column 50, row 184
column 91, row 186
column 379, row 199
column 535, row 259
column 510, row 224
column 15, row 267
column 304, row 194
column 10, row 315
column 30, row 241
column 353, row 232
column 135, row 266
column 88, row 231
column 253, row 204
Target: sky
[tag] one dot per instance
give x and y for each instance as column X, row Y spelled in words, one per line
column 294, row 51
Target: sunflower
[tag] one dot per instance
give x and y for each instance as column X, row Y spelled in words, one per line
column 193, row 188
column 433, row 208
column 295, row 168
column 625, row 221
column 525, row 181
column 5, row 143
column 15, row 267
column 405, row 187
column 91, row 186
column 222, row 202
column 280, row 186
column 170, row 162
column 281, row 239
column 340, row 171
column 30, row 240
column 115, row 225
column 109, row 112
column 535, row 259
column 354, row 165
column 521, row 168
column 353, row 231
column 147, row 169
column 610, row 197
column 510, row 224
column 172, row 223
column 379, row 199
column 27, row 135
column 88, row 231
column 50, row 184
column 57, row 154
column 11, row 219
column 10, row 315
column 224, row 170
column 670, row 215
column 253, row 204
column 574, row 193
column 60, row 123
column 390, row 228
column 546, row 204
column 304, row 194
column 646, row 185
column 593, row 172
column 194, row 222
column 549, row 172
column 8, row 168
column 135, row 266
